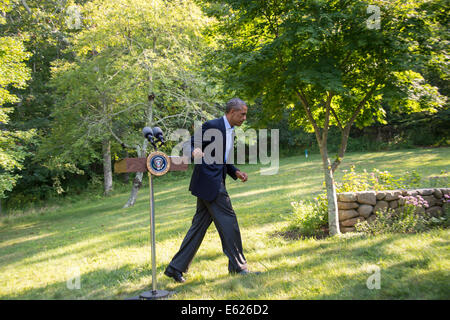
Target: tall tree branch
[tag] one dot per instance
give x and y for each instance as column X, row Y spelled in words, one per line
column 346, row 131
column 123, row 144
column 307, row 108
column 337, row 119
column 362, row 103
column 327, row 119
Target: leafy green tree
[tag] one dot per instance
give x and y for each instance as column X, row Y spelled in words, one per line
column 45, row 27
column 136, row 64
column 13, row 74
column 330, row 63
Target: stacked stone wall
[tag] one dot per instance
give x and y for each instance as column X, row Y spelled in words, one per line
column 359, row 206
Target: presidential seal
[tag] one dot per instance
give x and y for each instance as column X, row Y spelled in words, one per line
column 158, row 163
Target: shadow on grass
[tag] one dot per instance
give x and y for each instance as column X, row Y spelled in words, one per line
column 112, row 283
column 121, row 229
column 408, row 279
column 404, row 280
column 124, row 227
column 107, row 226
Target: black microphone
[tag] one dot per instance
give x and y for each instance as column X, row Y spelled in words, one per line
column 158, row 134
column 148, row 134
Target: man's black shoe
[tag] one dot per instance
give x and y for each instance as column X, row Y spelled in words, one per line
column 246, row 272
column 175, row 274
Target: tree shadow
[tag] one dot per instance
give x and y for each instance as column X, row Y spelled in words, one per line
column 121, row 228
column 410, row 279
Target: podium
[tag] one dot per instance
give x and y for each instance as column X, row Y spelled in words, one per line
column 156, row 164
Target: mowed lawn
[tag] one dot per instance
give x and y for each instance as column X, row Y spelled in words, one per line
column 110, row 246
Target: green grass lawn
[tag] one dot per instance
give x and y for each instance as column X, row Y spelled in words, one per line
column 111, row 249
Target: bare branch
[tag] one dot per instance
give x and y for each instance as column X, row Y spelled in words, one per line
column 123, row 144
column 130, row 107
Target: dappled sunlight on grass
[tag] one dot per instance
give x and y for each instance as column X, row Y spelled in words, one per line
column 266, row 189
column 23, row 239
column 110, row 245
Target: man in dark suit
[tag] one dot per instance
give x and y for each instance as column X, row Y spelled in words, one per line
column 211, row 148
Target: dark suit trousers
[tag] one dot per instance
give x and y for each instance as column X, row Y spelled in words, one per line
column 221, row 212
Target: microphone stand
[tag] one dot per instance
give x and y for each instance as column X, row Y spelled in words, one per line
column 153, row 294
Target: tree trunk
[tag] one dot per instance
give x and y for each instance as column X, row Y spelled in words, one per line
column 333, row 216
column 137, row 181
column 322, row 137
column 137, row 184
column 107, row 168
column 126, row 175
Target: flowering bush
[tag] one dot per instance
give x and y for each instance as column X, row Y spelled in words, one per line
column 413, row 202
column 408, row 218
column 311, row 217
column 447, row 198
column 391, row 221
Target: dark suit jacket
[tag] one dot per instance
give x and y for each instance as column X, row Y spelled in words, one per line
column 207, row 177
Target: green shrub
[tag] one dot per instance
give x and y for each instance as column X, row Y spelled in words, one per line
column 308, row 218
column 377, row 180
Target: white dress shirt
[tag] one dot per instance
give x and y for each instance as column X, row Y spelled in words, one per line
column 229, row 137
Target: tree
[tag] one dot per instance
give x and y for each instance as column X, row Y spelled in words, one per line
column 329, row 63
column 13, row 74
column 136, row 64
column 44, row 27
column 90, row 97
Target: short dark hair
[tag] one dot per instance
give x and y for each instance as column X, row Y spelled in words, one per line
column 234, row 103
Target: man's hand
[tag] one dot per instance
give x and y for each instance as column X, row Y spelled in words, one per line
column 242, row 175
column 197, row 153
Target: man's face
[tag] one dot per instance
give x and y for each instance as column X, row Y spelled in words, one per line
column 237, row 117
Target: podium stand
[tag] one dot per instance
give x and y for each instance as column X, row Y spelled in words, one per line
column 156, row 164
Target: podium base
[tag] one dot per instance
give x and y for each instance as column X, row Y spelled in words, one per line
column 153, row 295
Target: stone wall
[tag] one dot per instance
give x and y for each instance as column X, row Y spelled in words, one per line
column 359, row 206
